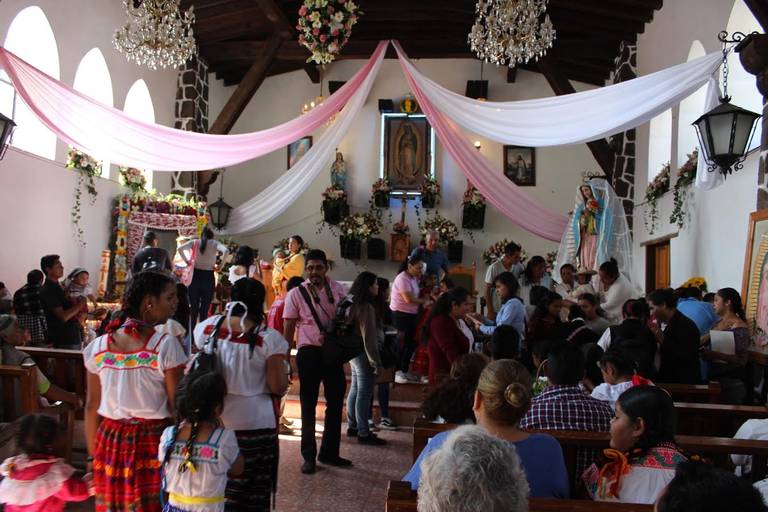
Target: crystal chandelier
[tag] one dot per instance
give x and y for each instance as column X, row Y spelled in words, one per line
column 156, row 33
column 511, row 31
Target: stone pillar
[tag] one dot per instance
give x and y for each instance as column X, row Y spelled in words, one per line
column 190, row 114
column 753, row 53
column 623, row 144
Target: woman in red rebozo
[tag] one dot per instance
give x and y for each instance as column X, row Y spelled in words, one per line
column 132, row 376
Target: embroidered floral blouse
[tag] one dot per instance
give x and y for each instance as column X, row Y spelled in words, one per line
column 133, row 383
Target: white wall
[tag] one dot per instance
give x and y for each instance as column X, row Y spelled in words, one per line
column 280, row 98
column 36, row 194
column 713, row 244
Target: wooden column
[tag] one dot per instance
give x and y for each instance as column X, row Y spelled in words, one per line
column 753, row 53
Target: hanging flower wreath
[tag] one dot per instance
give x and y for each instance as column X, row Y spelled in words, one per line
column 657, row 188
column 686, row 175
column 87, row 168
column 325, row 26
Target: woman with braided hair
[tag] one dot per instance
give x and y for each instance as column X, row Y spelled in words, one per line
column 502, row 397
column 198, row 453
column 133, row 373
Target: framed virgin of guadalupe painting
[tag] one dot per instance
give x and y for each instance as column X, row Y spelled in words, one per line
column 406, row 151
column 754, row 288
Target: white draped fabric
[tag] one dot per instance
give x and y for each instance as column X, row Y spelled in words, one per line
column 286, row 190
column 572, row 118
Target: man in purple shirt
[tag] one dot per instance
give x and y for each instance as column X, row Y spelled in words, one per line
column 325, row 296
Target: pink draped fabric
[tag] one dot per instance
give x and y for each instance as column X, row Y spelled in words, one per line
column 98, row 129
column 499, row 191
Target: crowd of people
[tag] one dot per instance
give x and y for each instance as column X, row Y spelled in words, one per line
column 198, row 421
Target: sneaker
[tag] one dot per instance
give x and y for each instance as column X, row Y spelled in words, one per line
column 351, row 432
column 371, row 439
column 372, row 426
column 284, row 430
column 401, row 378
column 387, row 424
column 424, row 379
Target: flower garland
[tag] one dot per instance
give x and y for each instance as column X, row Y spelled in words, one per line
column 496, row 251
column 153, row 203
column 657, row 188
column 551, row 259
column 360, row 226
column 686, row 175
column 87, row 168
column 324, row 27
column 133, row 178
column 447, row 230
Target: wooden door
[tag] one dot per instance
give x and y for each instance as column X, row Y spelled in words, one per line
column 657, row 272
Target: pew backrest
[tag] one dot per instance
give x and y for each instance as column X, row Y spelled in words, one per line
column 699, row 393
column 400, row 498
column 19, row 390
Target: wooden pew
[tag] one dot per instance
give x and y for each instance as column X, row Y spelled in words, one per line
column 58, row 365
column 697, row 393
column 716, row 448
column 715, row 419
column 400, row 498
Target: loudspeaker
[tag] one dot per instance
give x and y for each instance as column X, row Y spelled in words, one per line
column 334, row 85
column 477, row 89
column 386, row 106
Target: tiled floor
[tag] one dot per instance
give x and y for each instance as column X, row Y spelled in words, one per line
column 361, row 488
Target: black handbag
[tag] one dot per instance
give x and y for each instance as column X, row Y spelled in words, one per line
column 341, row 343
column 207, row 360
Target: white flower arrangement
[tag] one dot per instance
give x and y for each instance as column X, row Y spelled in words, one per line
column 360, row 226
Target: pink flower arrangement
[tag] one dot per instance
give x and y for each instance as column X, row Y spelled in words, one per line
column 324, row 27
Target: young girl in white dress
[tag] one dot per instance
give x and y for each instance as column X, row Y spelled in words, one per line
column 198, row 453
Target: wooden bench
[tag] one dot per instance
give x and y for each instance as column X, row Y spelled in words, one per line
column 697, row 393
column 65, row 368
column 715, row 419
column 400, row 498
column 716, row 448
column 21, row 397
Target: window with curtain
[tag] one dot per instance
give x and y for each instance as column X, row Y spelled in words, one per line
column 92, row 78
column 31, row 38
column 659, row 143
column 138, row 105
column 741, row 85
column 691, row 109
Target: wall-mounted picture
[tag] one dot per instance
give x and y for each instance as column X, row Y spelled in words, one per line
column 520, row 165
column 298, row 149
column 755, row 282
column 407, row 151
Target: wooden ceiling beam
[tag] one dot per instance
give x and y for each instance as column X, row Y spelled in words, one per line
column 759, row 9
column 587, row 24
column 560, row 85
column 238, row 101
column 287, row 31
column 603, row 9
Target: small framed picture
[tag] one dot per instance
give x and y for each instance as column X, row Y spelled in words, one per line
column 298, row 149
column 520, row 165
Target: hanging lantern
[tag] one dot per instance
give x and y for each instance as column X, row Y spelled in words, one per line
column 220, row 210
column 724, row 134
column 726, row 131
column 6, row 129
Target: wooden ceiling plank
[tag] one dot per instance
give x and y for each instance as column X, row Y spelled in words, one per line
column 603, row 10
column 560, row 85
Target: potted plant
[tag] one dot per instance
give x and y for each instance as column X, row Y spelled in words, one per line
column 380, row 190
column 356, row 229
column 430, row 193
column 473, row 214
column 448, row 232
column 334, row 205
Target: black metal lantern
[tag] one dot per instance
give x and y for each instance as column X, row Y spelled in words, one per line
column 6, row 129
column 220, row 210
column 726, row 131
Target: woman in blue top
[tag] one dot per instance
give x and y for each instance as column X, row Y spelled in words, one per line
column 512, row 310
column 503, row 396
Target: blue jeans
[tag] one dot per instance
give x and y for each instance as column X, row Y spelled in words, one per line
column 360, row 395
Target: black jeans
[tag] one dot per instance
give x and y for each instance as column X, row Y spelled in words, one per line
column 201, row 294
column 406, row 325
column 312, row 372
